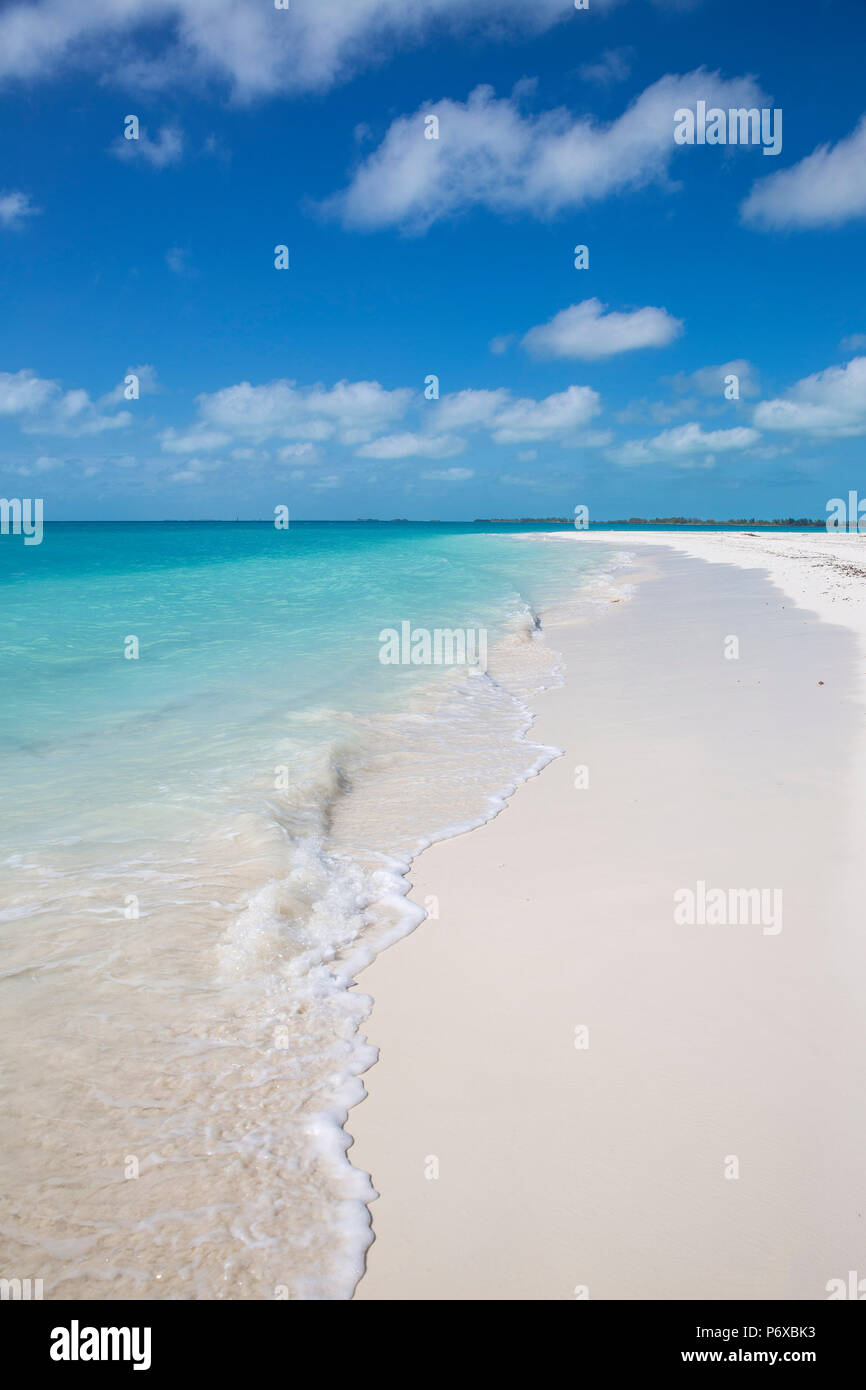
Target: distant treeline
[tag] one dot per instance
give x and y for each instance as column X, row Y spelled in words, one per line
column 648, row 521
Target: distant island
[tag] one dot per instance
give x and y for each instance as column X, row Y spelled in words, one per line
column 647, row 521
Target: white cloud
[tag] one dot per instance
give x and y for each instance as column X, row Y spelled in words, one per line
column 306, row 451
column 351, row 412
column 43, row 407
column 469, row 409
column 356, row 415
column 192, row 474
column 195, row 470
column 74, row 414
column 450, row 475
column 176, row 260
column 147, row 383
column 166, row 149
column 528, row 421
column 687, row 446
column 587, row 331
column 770, row 451
column 523, row 480
column 710, row 381
column 511, row 420
column 593, row 439
column 193, row 441
column 257, row 49
column 15, row 208
column 489, row 154
column 44, row 464
column 403, row 446
column 825, row 189
column 827, row 404
column 614, row 65
column 24, row 392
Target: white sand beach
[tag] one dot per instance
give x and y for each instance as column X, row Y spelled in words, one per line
column 577, row 1095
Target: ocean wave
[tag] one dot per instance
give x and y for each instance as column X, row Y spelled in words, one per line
column 214, row 1036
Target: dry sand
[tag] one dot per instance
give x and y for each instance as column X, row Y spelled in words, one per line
column 607, row 1171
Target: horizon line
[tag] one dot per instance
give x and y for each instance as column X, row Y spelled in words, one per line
column 436, row 521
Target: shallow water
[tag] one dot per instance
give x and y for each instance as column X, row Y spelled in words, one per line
column 202, row 846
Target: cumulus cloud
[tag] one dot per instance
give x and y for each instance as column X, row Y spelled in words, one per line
column 166, row 149
column 40, row 406
column 461, row 410
column 516, row 420
column 148, row 383
column 825, row 189
column 831, row 403
column 195, row 470
column 374, row 422
column 15, row 208
column 23, row 393
column 350, row 412
column 710, row 381
column 614, row 65
column 404, row 446
column 44, row 464
column 193, row 441
column 686, row 446
column 528, row 421
column 73, row 413
column 357, row 415
column 450, row 475
column 306, row 452
column 490, row 154
column 257, row 49
column 589, row 332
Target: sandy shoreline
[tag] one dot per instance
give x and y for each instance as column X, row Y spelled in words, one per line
column 712, row 1049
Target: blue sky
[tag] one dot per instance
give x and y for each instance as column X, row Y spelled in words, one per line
column 411, row 257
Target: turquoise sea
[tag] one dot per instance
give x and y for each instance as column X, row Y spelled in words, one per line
column 213, row 788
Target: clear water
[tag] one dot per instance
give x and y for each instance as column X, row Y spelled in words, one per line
column 200, row 848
